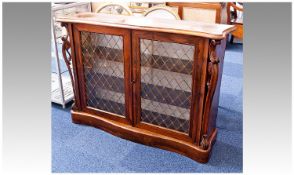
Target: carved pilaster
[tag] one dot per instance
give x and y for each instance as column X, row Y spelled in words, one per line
column 211, row 83
column 213, row 68
column 66, row 46
column 204, row 144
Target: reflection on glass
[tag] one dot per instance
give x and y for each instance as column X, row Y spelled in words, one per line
column 166, row 84
column 104, row 73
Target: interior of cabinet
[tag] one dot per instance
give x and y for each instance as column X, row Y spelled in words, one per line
column 103, row 63
column 166, row 83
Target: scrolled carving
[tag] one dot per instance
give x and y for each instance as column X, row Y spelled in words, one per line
column 212, row 55
column 211, row 83
column 66, row 46
column 204, row 142
column 213, row 68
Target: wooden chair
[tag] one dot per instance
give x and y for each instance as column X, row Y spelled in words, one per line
column 114, row 8
column 204, row 12
column 235, row 17
column 161, row 12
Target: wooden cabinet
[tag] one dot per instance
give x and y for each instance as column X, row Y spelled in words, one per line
column 143, row 80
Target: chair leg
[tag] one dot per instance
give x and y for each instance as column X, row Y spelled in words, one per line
column 232, row 39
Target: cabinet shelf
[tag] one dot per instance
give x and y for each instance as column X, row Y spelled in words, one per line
column 153, row 61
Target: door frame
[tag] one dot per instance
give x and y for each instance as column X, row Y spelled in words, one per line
column 126, row 34
column 198, row 82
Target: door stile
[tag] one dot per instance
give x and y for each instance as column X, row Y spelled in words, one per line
column 125, row 34
column 128, row 75
column 136, row 77
column 198, row 89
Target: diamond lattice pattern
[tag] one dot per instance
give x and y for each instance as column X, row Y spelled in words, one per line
column 104, row 74
column 166, row 83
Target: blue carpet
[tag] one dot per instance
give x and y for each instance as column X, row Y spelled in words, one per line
column 81, row 149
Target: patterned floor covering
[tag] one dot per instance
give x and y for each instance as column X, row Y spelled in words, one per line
column 77, row 148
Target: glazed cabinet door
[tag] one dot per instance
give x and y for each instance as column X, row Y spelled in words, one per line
column 168, row 82
column 104, row 58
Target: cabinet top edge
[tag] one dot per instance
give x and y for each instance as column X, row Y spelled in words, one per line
column 201, row 29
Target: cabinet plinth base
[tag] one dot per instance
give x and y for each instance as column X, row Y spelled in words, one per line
column 146, row 137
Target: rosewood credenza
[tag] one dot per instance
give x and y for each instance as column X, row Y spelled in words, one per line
column 151, row 81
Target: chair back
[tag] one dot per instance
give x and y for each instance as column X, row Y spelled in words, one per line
column 161, row 12
column 203, row 12
column 114, row 8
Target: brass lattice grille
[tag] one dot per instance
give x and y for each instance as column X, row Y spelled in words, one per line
column 104, row 73
column 166, row 83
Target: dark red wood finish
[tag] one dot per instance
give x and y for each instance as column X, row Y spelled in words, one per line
column 206, row 74
column 127, row 69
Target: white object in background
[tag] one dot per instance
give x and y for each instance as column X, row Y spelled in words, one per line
column 67, row 90
column 114, row 8
column 162, row 12
column 61, row 87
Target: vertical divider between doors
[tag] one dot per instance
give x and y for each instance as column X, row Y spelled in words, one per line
column 136, row 77
column 127, row 49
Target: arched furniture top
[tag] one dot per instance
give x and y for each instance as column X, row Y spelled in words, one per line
column 162, row 8
column 105, row 5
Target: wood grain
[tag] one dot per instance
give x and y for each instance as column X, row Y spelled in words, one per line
column 141, row 135
column 213, row 31
column 195, row 138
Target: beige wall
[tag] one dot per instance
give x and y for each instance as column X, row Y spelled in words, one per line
column 95, row 5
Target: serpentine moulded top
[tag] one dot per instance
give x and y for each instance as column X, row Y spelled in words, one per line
column 207, row 30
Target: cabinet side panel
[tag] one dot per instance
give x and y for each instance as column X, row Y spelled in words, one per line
column 220, row 53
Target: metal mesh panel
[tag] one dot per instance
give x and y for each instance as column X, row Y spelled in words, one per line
column 104, row 73
column 166, row 83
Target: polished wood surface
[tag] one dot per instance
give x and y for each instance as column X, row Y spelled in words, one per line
column 238, row 33
column 203, row 69
column 194, row 28
column 234, row 19
column 146, row 137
